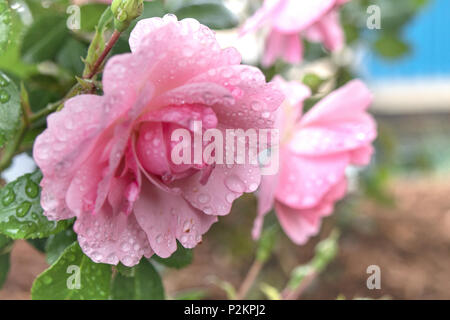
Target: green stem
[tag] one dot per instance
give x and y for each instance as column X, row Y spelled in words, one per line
column 112, row 41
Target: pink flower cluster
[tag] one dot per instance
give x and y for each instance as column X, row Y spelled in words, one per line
column 290, row 20
column 106, row 160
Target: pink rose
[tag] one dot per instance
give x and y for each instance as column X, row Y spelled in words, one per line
column 106, row 159
column 316, row 148
column 317, row 20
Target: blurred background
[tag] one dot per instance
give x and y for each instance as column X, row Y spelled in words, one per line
column 398, row 213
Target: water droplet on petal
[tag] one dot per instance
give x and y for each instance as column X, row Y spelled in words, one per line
column 234, row 183
column 203, row 198
column 308, row 201
column 230, row 197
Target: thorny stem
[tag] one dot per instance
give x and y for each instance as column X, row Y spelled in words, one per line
column 112, row 41
column 250, row 278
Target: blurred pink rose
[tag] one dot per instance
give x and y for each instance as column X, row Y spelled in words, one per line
column 316, row 148
column 106, row 159
column 289, row 20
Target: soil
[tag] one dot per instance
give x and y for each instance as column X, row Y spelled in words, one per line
column 409, row 241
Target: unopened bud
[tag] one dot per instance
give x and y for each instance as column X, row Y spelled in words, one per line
column 125, row 11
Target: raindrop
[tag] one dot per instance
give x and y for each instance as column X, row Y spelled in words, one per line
column 204, row 198
column 230, row 197
column 31, row 189
column 253, row 186
column 23, row 209
column 308, row 201
column 207, row 210
column 361, row 136
column 125, row 246
column 3, row 81
column 9, row 197
column 47, row 280
column 234, row 183
column 256, row 105
column 148, row 136
column 4, row 96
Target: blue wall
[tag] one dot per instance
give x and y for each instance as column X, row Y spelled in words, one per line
column 429, row 37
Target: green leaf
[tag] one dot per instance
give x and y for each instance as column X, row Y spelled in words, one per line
column 4, row 242
column 4, row 268
column 44, row 38
column 73, row 277
column 90, row 14
column 10, row 60
column 5, row 248
column 146, row 284
column 313, row 81
column 5, row 25
column 125, row 271
column 57, row 243
column 38, row 244
column 179, row 259
column 21, row 215
column 211, row 13
column 391, row 46
column 10, row 110
column 70, row 56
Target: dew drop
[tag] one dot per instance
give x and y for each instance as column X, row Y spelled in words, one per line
column 23, row 209
column 3, row 81
column 8, row 198
column 4, row 96
column 31, row 189
column 361, row 136
column 230, row 197
column 203, row 198
column 308, row 201
column 234, row 183
column 256, row 105
column 47, row 280
column 125, row 246
column 148, row 136
column 208, row 210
